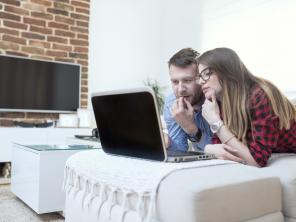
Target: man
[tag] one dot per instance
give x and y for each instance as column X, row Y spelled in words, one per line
column 182, row 110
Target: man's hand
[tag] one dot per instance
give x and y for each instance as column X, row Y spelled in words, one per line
column 183, row 113
column 166, row 140
column 224, row 152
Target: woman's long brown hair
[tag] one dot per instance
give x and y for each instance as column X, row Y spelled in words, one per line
column 236, row 81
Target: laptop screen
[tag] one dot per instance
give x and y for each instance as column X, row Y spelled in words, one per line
column 128, row 124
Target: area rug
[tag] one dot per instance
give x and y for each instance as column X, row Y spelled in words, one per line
column 12, row 209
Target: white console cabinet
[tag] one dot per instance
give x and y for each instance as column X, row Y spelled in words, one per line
column 38, row 172
column 34, row 136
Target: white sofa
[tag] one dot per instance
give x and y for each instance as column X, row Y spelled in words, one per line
column 283, row 166
column 224, row 193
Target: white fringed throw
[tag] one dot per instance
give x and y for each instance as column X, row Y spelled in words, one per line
column 97, row 174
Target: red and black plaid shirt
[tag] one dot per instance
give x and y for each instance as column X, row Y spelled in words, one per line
column 266, row 137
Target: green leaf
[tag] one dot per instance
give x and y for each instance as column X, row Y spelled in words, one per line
column 152, row 83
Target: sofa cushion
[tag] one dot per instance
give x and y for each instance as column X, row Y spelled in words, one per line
column 284, row 167
column 290, row 219
column 219, row 193
column 275, row 217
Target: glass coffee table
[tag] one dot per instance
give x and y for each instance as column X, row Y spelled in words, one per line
column 37, row 174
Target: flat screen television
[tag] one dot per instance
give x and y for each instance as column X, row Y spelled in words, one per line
column 31, row 85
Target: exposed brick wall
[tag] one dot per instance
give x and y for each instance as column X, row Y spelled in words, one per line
column 55, row 30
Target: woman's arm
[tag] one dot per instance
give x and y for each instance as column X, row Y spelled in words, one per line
column 235, row 146
column 230, row 148
column 261, row 138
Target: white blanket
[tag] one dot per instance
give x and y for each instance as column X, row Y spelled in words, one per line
column 105, row 176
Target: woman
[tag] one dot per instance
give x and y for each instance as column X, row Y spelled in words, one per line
column 250, row 117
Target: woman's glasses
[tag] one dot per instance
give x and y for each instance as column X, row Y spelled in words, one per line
column 205, row 74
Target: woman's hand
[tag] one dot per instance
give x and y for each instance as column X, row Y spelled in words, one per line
column 210, row 109
column 224, row 152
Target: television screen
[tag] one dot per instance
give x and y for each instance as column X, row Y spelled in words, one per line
column 38, row 86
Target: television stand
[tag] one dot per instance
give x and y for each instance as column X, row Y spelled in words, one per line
column 32, row 124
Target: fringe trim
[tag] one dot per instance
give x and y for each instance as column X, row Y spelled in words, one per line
column 108, row 196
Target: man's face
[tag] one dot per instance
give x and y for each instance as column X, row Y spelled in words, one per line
column 184, row 83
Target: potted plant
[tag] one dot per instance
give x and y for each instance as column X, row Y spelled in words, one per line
column 154, row 84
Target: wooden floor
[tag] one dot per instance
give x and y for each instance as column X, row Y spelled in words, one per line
column 12, row 209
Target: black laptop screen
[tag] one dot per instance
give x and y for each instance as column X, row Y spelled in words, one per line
column 128, row 125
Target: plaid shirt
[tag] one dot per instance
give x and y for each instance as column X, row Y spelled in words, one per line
column 265, row 137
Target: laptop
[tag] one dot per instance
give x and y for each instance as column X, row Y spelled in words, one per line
column 128, row 124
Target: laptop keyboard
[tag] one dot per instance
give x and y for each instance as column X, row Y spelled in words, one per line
column 182, row 153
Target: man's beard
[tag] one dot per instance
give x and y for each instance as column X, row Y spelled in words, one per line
column 197, row 99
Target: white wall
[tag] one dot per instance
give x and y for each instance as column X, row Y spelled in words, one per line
column 131, row 40
column 121, row 36
column 261, row 31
